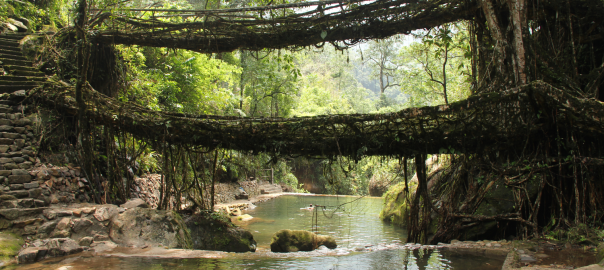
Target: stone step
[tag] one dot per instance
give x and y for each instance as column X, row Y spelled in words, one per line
column 22, row 203
column 9, row 42
column 11, row 51
column 15, row 36
column 7, row 56
column 10, row 48
column 8, row 83
column 22, row 78
column 13, row 88
column 15, row 62
column 20, row 213
column 23, row 71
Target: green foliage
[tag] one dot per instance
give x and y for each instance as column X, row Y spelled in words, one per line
column 425, row 71
column 180, row 81
column 52, row 13
column 268, row 83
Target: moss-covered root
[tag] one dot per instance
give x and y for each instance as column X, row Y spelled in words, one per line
column 10, row 244
column 298, row 240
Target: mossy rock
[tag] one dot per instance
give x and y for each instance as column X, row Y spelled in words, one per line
column 10, row 244
column 299, row 240
column 216, row 232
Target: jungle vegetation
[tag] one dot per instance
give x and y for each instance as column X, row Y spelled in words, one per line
column 509, row 90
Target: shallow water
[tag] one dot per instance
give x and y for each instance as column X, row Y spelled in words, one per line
column 364, row 242
column 353, row 221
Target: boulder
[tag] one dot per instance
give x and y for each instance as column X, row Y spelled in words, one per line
column 139, row 227
column 217, row 232
column 299, row 240
column 31, row 254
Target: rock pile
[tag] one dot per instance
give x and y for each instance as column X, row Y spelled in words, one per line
column 65, row 184
column 69, row 230
column 147, row 189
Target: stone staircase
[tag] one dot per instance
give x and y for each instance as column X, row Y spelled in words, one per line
column 270, row 189
column 16, row 72
column 22, row 199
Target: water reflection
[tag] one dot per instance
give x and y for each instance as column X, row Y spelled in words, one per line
column 386, row 259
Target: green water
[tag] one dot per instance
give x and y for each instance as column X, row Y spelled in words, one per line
column 352, row 221
column 364, row 242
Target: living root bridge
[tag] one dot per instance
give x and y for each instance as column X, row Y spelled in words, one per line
column 504, row 122
column 278, row 26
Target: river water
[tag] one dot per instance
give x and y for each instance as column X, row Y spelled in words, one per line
column 364, row 242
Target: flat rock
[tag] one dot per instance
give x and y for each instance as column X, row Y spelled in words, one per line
column 14, row 213
column 134, row 203
column 19, row 179
column 19, row 172
column 527, row 258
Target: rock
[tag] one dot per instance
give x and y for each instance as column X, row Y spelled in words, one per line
column 7, row 197
column 140, row 227
column 48, row 227
column 31, row 185
column 105, row 212
column 526, row 258
column 64, row 223
column 86, row 241
column 88, row 210
column 52, row 214
column 80, row 224
column 210, row 233
column 19, row 172
column 77, row 212
column 31, row 254
column 5, row 224
column 61, row 234
column 16, row 186
column 19, row 179
column 62, row 246
column 299, row 240
column 18, row 193
column 30, row 230
column 133, row 203
column 25, row 222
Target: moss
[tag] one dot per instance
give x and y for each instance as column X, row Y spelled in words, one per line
column 183, row 235
column 395, row 203
column 10, row 244
column 299, row 240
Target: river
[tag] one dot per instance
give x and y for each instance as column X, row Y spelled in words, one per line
column 364, row 242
